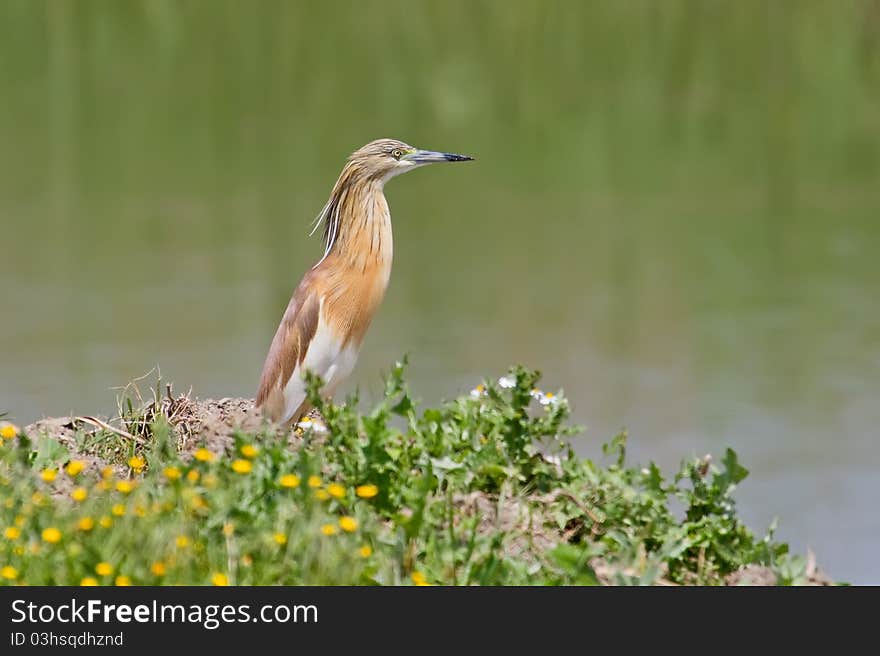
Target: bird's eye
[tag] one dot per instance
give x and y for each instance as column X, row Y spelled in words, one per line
column 397, row 153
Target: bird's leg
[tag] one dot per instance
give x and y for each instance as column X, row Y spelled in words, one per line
column 304, row 408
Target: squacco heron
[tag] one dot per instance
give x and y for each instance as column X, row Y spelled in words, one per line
column 325, row 322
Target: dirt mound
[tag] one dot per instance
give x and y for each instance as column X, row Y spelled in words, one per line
column 195, row 423
column 212, row 422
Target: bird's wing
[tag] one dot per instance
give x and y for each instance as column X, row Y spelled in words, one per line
column 289, row 347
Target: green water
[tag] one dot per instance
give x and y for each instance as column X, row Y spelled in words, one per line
column 674, row 214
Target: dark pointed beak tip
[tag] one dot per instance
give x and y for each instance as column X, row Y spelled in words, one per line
column 450, row 157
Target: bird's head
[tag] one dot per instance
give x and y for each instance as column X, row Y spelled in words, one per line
column 363, row 175
column 384, row 158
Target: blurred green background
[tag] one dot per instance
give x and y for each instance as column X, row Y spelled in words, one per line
column 674, row 214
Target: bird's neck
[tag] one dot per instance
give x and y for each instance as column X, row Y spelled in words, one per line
column 363, row 239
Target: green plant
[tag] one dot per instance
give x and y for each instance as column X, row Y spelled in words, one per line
column 483, row 489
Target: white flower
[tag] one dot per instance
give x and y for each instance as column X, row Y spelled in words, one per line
column 478, row 391
column 310, row 424
column 506, row 382
column 544, row 398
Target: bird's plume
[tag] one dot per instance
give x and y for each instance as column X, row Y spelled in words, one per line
column 329, row 217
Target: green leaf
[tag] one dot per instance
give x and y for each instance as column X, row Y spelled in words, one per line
column 445, row 464
column 49, row 452
column 617, row 445
column 403, row 407
column 574, row 562
column 733, row 471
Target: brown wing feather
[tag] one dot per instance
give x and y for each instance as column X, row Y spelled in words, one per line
column 296, row 330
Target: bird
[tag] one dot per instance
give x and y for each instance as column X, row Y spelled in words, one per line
column 331, row 309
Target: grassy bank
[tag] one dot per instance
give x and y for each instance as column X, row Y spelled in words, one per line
column 481, row 490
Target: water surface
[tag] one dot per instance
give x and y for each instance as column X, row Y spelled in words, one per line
column 674, row 214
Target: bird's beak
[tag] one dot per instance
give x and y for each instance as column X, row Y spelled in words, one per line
column 430, row 156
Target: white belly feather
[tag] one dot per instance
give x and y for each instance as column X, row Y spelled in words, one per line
column 325, row 357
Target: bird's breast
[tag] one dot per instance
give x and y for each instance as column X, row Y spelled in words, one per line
column 351, row 302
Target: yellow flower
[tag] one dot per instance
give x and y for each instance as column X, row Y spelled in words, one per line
column 9, row 572
column 107, row 472
column 74, row 467
column 12, row 533
column 289, row 480
column 79, row 494
column 19, row 521
column 365, row 551
column 367, row 491
column 247, row 560
column 104, row 569
column 242, row 466
column 48, row 475
column 171, row 473
column 328, row 529
column 210, row 480
column 37, row 498
column 51, row 535
column 192, row 475
column 85, row 524
column 228, row 529
column 314, row 481
column 335, row 490
column 8, row 431
column 106, row 522
column 419, row 578
column 280, row 538
column 137, row 463
column 182, row 542
column 249, row 451
column 103, row 486
column 219, row 579
column 348, row 524
column 123, row 581
column 89, row 581
column 125, row 486
column 322, row 495
column 140, row 511
column 118, row 509
column 203, row 455
column 158, row 568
